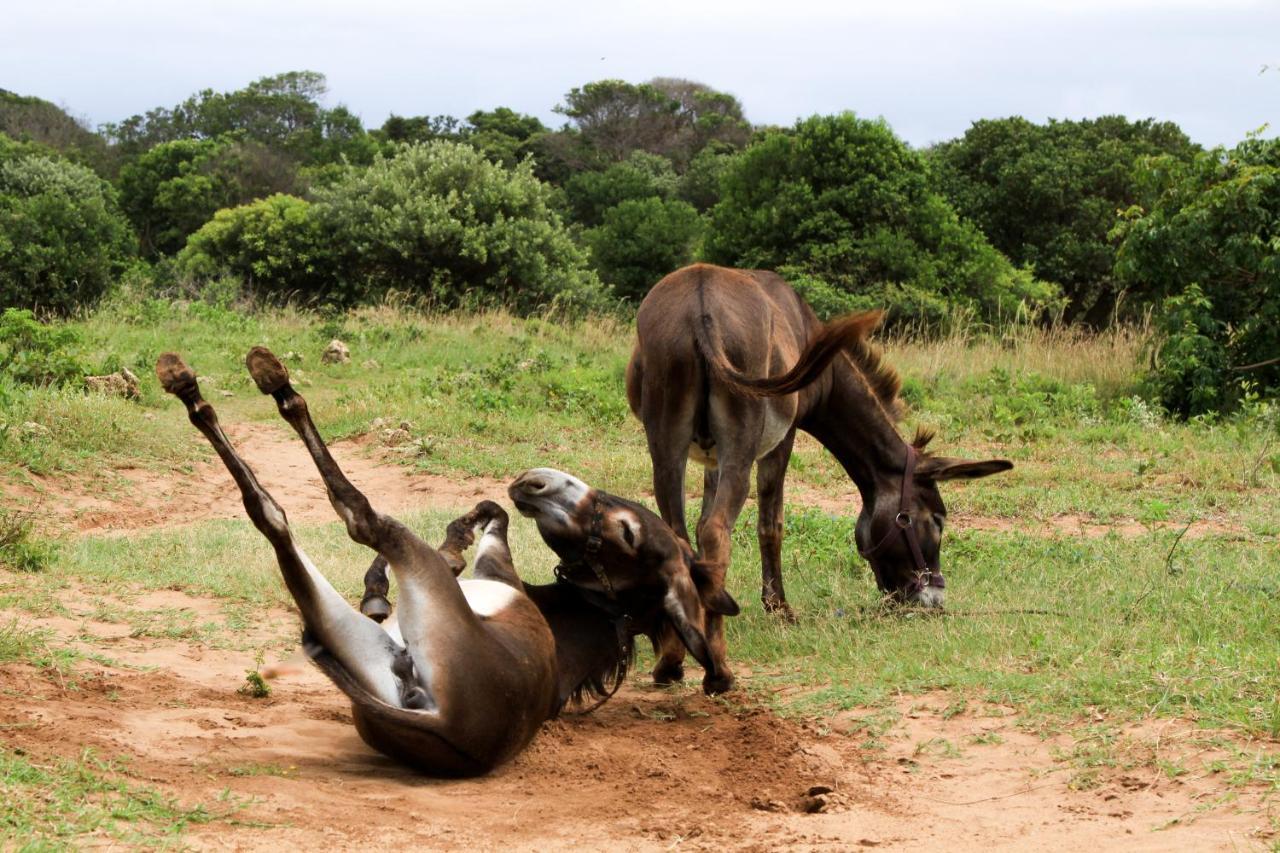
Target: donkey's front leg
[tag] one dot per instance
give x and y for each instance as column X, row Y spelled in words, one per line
column 362, row 647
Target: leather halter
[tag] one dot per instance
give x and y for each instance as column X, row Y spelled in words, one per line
column 903, row 523
column 590, row 555
column 608, row 603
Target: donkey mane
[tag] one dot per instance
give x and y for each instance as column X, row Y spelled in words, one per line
column 881, row 378
column 591, row 660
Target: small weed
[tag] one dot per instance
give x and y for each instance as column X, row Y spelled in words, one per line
column 991, row 738
column 255, row 686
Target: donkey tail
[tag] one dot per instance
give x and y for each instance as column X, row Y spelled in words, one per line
column 837, row 336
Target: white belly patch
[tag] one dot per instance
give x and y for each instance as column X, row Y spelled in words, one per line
column 487, row 597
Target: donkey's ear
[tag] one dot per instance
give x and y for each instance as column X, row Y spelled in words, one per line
column 945, row 468
column 715, row 598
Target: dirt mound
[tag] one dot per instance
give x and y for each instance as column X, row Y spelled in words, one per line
column 651, row 769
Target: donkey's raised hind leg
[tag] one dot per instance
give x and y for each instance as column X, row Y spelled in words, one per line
column 362, row 647
column 434, row 615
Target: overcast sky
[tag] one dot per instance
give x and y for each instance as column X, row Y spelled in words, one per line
column 929, row 67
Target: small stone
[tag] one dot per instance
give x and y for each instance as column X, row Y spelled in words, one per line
column 293, row 356
column 120, row 384
column 336, row 353
column 226, row 393
column 377, row 423
column 395, row 437
column 33, row 428
column 370, row 364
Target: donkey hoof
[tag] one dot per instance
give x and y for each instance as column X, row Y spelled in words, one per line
column 266, row 370
column 376, row 607
column 713, row 685
column 782, row 610
column 665, row 676
column 175, row 376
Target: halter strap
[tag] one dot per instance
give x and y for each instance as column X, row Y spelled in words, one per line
column 902, row 522
column 595, row 539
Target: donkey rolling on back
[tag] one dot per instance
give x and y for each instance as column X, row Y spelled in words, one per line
column 727, row 366
column 461, row 677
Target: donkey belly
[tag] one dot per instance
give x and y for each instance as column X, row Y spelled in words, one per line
column 777, row 418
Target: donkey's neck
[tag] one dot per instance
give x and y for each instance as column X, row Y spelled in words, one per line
column 851, row 422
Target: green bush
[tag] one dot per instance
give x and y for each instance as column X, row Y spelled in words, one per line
column 640, row 176
column 641, row 241
column 845, row 202
column 1209, row 246
column 33, row 353
column 274, row 246
column 175, row 187
column 1190, row 369
column 442, row 221
column 62, row 238
column 1047, row 195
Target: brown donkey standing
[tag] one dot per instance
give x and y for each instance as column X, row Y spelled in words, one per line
column 728, row 364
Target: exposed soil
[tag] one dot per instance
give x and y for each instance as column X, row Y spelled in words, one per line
column 652, row 769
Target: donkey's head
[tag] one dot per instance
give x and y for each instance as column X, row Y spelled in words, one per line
column 628, row 558
column 900, row 534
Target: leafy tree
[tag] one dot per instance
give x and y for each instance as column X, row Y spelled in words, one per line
column 700, row 184
column 670, row 117
column 274, row 245
column 410, row 129
column 843, row 203
column 1047, row 195
column 62, row 237
column 282, row 112
column 37, row 120
column 640, row 176
column 503, row 135
column 443, row 221
column 641, row 240
column 174, row 188
column 1209, row 245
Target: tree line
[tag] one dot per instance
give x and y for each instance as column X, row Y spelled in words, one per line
column 272, row 191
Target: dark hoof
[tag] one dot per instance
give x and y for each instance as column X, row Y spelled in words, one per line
column 665, row 676
column 266, row 370
column 175, row 377
column 713, row 686
column 782, row 610
column 376, row 607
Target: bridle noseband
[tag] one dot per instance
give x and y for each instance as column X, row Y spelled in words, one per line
column 590, row 555
column 902, row 522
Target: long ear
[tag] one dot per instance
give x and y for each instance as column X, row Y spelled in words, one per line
column 715, row 598
column 945, row 468
column 683, row 607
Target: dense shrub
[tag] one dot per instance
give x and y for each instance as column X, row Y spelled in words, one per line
column 640, row 241
column 443, row 221
column 175, row 187
column 845, row 202
column 640, row 176
column 1210, row 242
column 62, row 237
column 34, row 353
column 1047, row 195
column 274, row 245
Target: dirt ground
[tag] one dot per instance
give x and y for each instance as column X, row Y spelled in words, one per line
column 652, row 769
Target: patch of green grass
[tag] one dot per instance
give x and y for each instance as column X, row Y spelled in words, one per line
column 20, row 548
column 52, row 803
